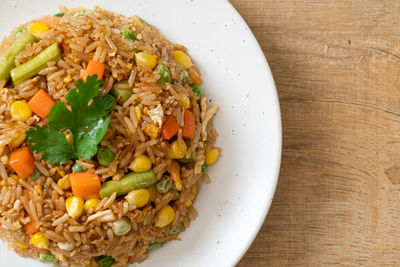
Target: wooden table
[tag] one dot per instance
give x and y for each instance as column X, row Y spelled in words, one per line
column 336, row 65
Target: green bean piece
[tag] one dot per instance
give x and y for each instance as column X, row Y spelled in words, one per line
column 129, row 35
column 7, row 59
column 174, row 231
column 164, row 185
column 175, row 194
column 192, row 158
column 77, row 168
column 154, row 245
column 61, row 14
column 197, row 90
column 137, row 50
column 204, row 168
column 165, row 74
column 105, row 156
column 122, row 91
column 185, row 76
column 36, row 174
column 130, row 182
column 48, row 257
column 121, row 226
column 33, row 66
column 105, row 261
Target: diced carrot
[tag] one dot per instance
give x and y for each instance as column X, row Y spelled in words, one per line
column 41, row 104
column 93, row 68
column 30, row 227
column 85, row 184
column 189, row 125
column 22, row 162
column 169, row 128
column 49, row 20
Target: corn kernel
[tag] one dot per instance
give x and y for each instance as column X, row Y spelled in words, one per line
column 39, row 240
column 178, row 149
column 38, row 189
column 68, row 79
column 21, row 245
column 20, row 111
column 164, row 216
column 139, row 197
column 69, row 137
column 184, row 100
column 212, row 155
column 183, row 59
column 64, row 183
column 147, row 59
column 189, row 203
column 151, row 130
column 60, row 172
column 74, row 206
column 38, row 29
column 18, row 140
column 195, row 76
column 91, row 203
column 138, row 113
column 141, row 163
column 146, row 110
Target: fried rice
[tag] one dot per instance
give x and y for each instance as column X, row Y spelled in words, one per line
column 96, row 35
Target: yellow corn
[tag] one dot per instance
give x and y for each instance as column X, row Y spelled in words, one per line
column 212, row 155
column 185, row 100
column 21, row 245
column 18, row 140
column 189, row 203
column 20, row 111
column 139, row 197
column 39, row 240
column 151, row 130
column 138, row 113
column 195, row 76
column 165, row 216
column 183, row 59
column 60, row 172
column 64, row 183
column 178, row 149
column 69, row 137
column 68, row 79
column 38, row 189
column 147, row 59
column 91, row 203
column 153, row 192
column 38, row 28
column 146, row 110
column 175, row 173
column 141, row 163
column 74, row 206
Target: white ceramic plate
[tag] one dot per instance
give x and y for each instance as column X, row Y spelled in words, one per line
column 237, row 78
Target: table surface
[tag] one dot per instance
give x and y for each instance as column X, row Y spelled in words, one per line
column 336, row 65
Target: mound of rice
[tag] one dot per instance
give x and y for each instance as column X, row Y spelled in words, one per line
column 97, row 36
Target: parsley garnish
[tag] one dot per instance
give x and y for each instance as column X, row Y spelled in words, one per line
column 85, row 122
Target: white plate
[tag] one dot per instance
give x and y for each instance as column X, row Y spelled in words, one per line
column 237, row 78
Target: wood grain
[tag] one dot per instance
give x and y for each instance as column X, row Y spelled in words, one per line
column 336, row 64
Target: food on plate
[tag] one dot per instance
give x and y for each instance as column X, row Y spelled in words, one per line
column 105, row 138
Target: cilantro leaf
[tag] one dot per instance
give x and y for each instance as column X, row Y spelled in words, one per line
column 51, row 143
column 84, row 118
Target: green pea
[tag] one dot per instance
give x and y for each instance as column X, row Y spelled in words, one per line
column 174, row 231
column 105, row 261
column 175, row 194
column 154, row 245
column 164, row 184
column 204, row 168
column 61, row 14
column 77, row 168
column 48, row 257
column 129, row 35
column 197, row 90
column 121, row 226
column 105, row 156
column 165, row 74
column 192, row 158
